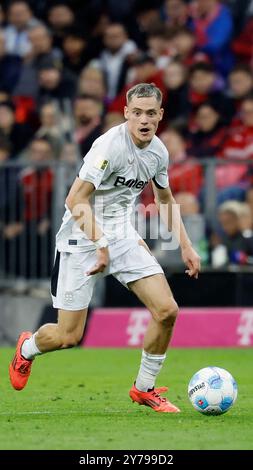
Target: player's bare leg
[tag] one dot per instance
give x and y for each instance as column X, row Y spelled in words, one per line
column 156, row 295
column 66, row 333
column 154, row 292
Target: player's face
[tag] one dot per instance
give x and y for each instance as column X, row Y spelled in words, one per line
column 143, row 116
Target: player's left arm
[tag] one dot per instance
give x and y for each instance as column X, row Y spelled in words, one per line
column 170, row 214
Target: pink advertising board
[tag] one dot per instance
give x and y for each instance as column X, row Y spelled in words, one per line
column 195, row 327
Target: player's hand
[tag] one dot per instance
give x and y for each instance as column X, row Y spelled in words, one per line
column 192, row 260
column 102, row 262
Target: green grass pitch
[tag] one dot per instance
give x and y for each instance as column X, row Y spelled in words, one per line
column 78, row 399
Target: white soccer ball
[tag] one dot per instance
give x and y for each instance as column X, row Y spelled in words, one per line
column 212, row 391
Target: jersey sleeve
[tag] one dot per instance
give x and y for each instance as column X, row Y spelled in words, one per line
column 99, row 162
column 161, row 179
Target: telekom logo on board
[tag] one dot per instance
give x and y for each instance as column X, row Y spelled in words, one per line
column 245, row 328
column 137, row 326
column 195, row 327
column 139, row 318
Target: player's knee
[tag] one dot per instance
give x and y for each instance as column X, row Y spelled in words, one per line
column 167, row 312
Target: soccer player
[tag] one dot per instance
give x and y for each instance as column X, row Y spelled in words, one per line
column 96, row 238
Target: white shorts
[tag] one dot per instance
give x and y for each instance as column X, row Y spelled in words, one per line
column 72, row 289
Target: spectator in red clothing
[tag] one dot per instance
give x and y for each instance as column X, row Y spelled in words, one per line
column 208, row 138
column 242, row 45
column 159, row 45
column 205, row 85
column 184, row 43
column 27, row 229
column 185, row 174
column 36, row 189
column 176, row 105
column 143, row 70
column 238, row 146
column 184, row 47
column 203, row 82
column 240, row 81
column 37, row 184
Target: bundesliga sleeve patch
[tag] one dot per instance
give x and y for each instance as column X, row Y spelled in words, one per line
column 101, row 164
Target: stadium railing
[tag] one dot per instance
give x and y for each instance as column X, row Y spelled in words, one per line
column 31, row 208
column 32, row 204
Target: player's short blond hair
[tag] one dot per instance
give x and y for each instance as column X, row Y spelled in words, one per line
column 144, row 90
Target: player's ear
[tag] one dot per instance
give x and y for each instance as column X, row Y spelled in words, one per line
column 161, row 114
column 125, row 112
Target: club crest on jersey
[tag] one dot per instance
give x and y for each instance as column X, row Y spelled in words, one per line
column 132, row 183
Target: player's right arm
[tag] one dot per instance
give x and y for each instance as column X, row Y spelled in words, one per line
column 78, row 202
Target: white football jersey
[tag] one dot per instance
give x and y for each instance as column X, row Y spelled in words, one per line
column 119, row 171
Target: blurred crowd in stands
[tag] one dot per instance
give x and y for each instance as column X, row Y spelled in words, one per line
column 65, row 67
